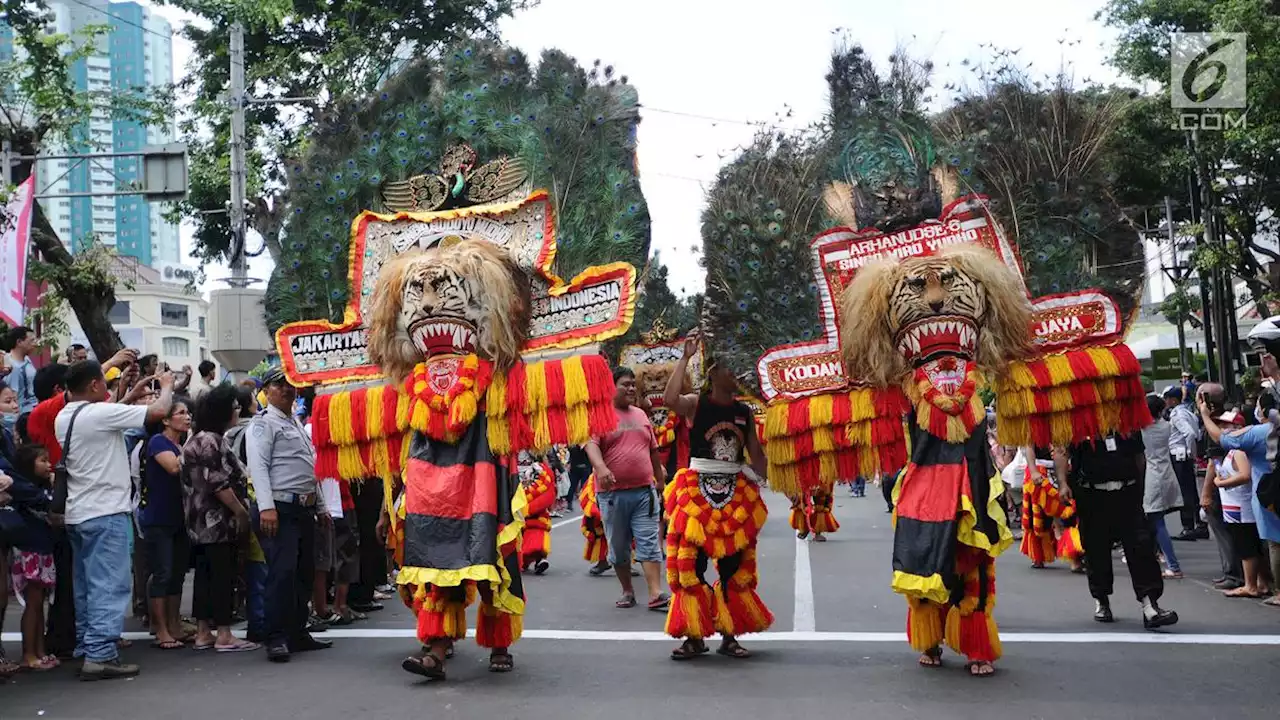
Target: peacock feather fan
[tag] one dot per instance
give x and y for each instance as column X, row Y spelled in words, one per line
column 572, row 128
column 761, row 213
column 1041, row 154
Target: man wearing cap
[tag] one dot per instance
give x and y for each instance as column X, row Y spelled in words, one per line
column 286, row 508
column 1184, row 432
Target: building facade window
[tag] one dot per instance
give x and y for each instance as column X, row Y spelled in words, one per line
column 176, row 347
column 200, row 321
column 119, row 313
column 174, row 315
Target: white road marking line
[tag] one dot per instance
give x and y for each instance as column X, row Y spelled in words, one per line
column 1099, row 638
column 805, row 619
column 573, row 519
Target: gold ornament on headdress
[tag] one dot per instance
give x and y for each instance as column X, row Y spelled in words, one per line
column 459, row 183
column 659, row 333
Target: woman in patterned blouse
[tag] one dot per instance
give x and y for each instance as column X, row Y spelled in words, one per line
column 214, row 491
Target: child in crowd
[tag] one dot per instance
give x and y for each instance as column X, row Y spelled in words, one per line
column 1230, row 473
column 31, row 569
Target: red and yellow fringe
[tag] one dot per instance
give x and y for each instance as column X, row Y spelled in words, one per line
column 597, row 545
column 1068, row 397
column 1041, row 503
column 817, row 439
column 815, row 516
column 363, row 433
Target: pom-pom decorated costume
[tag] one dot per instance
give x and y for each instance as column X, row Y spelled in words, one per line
column 596, row 550
column 714, row 513
column 540, row 493
column 813, row 514
column 1041, row 505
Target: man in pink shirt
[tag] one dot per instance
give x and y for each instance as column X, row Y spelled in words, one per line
column 626, row 464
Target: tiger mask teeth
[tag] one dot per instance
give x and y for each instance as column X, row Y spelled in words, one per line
column 938, row 335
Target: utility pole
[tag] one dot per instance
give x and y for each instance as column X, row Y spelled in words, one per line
column 1178, row 274
column 1208, row 280
column 239, row 263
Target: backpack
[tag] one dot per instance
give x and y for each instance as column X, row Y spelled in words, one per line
column 1269, row 490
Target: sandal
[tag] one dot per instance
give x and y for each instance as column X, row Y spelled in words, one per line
column 1273, row 601
column 976, row 668
column 168, row 645
column 732, row 649
column 8, row 669
column 931, row 658
column 501, row 662
column 598, row 570
column 1242, row 593
column 41, row 665
column 52, row 659
column 237, row 646
column 1172, row 574
column 660, row 603
column 690, row 649
column 428, row 666
column 625, row 602
column 819, row 538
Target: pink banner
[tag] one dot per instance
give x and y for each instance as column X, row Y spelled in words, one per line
column 14, row 243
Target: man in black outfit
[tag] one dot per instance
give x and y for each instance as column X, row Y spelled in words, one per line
column 1106, row 476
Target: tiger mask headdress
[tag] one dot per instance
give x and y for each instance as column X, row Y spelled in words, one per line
column 941, row 313
column 467, row 298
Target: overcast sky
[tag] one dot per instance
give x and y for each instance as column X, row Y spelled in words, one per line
column 707, row 69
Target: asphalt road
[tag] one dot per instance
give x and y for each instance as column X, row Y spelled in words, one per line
column 836, row 650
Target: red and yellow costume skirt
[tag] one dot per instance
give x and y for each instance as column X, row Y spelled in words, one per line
column 463, row 516
column 596, row 550
column 1041, row 504
column 815, row 513
column 535, row 542
column 713, row 519
column 948, row 530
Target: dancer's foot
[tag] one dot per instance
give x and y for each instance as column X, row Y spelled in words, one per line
column 980, row 668
column 1037, row 565
column 731, row 648
column 689, row 649
column 819, row 537
column 931, row 658
column 427, row 665
column 540, row 567
column 803, row 534
column 598, row 570
column 500, row 661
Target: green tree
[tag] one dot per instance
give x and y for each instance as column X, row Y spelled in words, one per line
column 1239, row 167
column 310, row 60
column 42, row 108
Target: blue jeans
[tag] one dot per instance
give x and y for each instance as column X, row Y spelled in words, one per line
column 631, row 515
column 102, row 552
column 1163, row 541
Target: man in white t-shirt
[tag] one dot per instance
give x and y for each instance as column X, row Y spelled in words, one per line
column 99, row 507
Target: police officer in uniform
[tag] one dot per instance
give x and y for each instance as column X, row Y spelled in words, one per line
column 286, row 508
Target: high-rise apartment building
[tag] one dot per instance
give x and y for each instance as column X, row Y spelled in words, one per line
column 137, row 52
